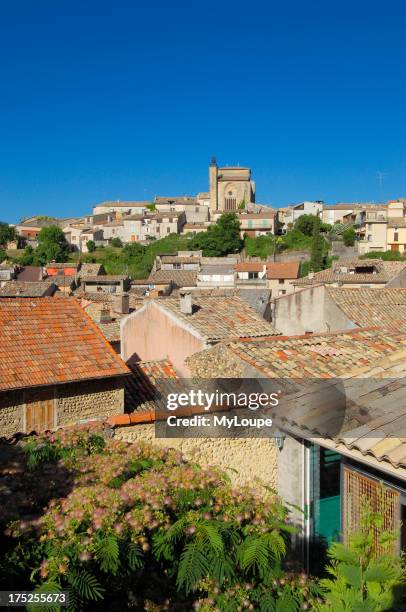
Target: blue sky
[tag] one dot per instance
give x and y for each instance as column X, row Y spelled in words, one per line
column 128, row 99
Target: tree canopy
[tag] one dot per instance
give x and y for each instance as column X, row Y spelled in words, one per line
column 305, row 224
column 52, row 246
column 7, row 234
column 221, row 239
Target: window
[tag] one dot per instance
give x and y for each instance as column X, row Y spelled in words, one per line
column 282, row 292
column 168, row 230
column 281, row 281
column 252, row 275
column 176, row 266
column 196, row 209
column 396, row 236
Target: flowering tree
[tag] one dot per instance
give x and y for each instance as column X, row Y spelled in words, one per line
column 142, row 526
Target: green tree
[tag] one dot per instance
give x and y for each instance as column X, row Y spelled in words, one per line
column 317, row 258
column 349, row 236
column 221, row 238
column 7, row 234
column 27, row 258
column 116, row 242
column 3, row 254
column 52, row 246
column 141, row 525
column 305, row 224
column 361, row 578
column 91, row 246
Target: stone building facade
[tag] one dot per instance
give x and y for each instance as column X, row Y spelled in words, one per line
column 55, row 406
column 229, row 187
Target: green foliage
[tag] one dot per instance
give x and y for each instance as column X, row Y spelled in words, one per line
column 142, row 522
column 263, row 246
column 349, row 235
column 48, row 448
column 27, row 258
column 91, row 246
column 319, row 251
column 52, row 246
column 384, row 255
column 116, row 242
column 7, row 234
column 3, row 254
column 221, row 239
column 305, row 225
column 151, row 207
column 360, row 579
column 136, row 259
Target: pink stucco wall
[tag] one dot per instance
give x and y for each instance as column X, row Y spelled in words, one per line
column 152, row 333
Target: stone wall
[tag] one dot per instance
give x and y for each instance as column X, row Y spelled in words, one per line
column 73, row 402
column 243, row 459
column 92, row 399
column 11, row 413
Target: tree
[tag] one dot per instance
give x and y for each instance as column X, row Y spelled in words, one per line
column 27, row 258
column 52, row 246
column 305, row 224
column 116, row 242
column 142, row 525
column 7, row 234
column 349, row 236
column 221, row 238
column 360, row 578
column 317, row 258
column 91, row 246
column 3, row 254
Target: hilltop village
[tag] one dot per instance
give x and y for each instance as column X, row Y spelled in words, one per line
column 103, row 313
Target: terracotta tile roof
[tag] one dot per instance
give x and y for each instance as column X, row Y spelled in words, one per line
column 250, row 266
column 288, row 269
column 91, row 269
column 47, row 341
column 30, row 273
column 383, row 272
column 149, row 379
column 28, row 289
column 396, row 222
column 313, row 355
column 384, row 307
column 218, row 318
column 181, row 278
column 105, row 278
column 372, row 426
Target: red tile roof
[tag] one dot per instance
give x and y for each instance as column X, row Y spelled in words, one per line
column 46, row 341
column 250, row 266
column 288, row 269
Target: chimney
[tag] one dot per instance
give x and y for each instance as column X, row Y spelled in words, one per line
column 185, row 302
column 105, row 316
column 122, row 303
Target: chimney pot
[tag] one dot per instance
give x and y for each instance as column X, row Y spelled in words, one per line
column 186, row 302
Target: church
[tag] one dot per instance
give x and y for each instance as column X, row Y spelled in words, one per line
column 230, row 188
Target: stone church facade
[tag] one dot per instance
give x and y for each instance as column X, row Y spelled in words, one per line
column 229, row 188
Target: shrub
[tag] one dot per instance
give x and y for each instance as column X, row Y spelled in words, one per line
column 91, row 246
column 360, row 578
column 116, row 242
column 349, row 236
column 143, row 526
